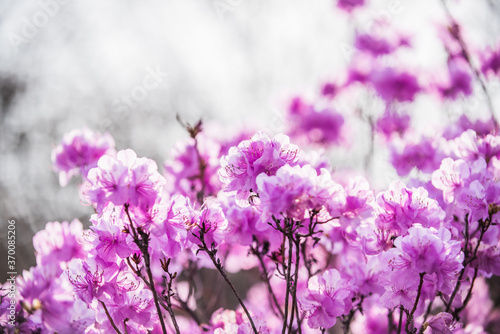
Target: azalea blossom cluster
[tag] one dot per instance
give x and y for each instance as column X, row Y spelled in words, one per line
column 320, row 248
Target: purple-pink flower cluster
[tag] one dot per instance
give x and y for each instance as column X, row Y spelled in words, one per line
column 317, row 247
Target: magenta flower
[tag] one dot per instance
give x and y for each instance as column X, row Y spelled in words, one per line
column 359, row 201
column 490, row 62
column 87, row 279
column 384, row 41
column 470, row 147
column 423, row 155
column 107, row 236
column 47, row 297
column 361, row 271
column 212, row 219
column 460, row 79
column 451, row 177
column 135, row 305
column 472, row 200
column 184, row 172
column 392, row 122
column 235, row 322
column 79, row 152
column 401, row 288
column 241, row 223
column 442, row 323
column 488, row 258
column 260, row 154
column 308, row 125
column 293, row 191
column 395, row 85
column 95, row 278
column 482, row 128
column 174, row 220
column 373, row 321
column 126, row 179
column 327, row 297
column 58, row 244
column 350, row 5
column 425, row 250
column 399, row 208
column 247, row 223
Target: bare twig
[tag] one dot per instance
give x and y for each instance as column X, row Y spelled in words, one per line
column 265, row 278
column 141, row 239
column 455, row 32
column 211, row 252
column 110, row 319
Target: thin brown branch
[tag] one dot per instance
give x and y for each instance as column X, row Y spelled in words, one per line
column 109, row 318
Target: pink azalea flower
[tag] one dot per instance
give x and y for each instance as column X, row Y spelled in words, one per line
column 384, row 40
column 309, row 125
column 460, row 79
column 425, row 250
column 135, row 305
column 260, row 154
column 442, row 323
column 176, row 217
column 401, row 289
column 183, row 170
column 350, row 5
column 399, row 208
column 490, row 61
column 107, row 236
column 58, row 244
column 423, row 155
column 79, row 152
column 327, row 297
column 394, row 84
column 470, row 147
column 126, row 179
column 450, row 177
column 293, row 191
column 47, row 297
column 235, row 322
column 391, row 122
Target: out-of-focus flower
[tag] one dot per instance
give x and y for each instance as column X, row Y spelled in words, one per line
column 58, row 244
column 442, row 323
column 383, row 41
column 392, row 122
column 423, row 155
column 350, row 5
column 460, row 79
column 79, row 152
column 395, row 84
column 311, row 126
column 235, row 322
column 48, row 298
column 374, row 320
column 490, row 61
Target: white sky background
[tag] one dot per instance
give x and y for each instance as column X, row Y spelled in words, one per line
column 237, row 67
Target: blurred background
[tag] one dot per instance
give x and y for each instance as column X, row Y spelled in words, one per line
column 128, row 67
